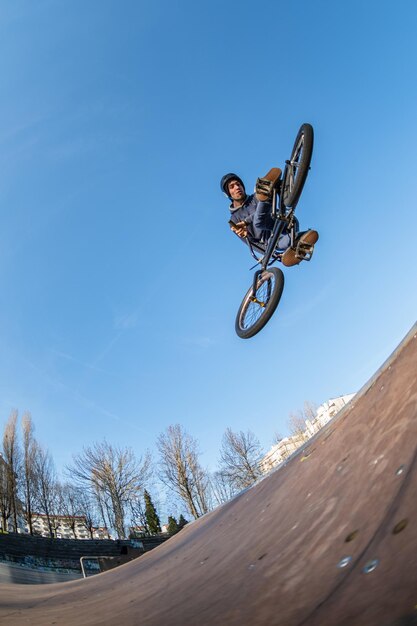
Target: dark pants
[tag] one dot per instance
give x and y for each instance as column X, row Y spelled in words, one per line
column 263, row 223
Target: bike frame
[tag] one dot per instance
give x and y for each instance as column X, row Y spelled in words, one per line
column 283, row 219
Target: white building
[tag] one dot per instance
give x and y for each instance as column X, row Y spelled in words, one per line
column 281, row 451
column 284, row 448
column 101, row 533
column 62, row 526
column 326, row 412
column 137, row 531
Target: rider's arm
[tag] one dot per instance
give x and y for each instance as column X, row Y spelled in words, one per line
column 243, row 217
column 245, row 213
column 248, row 219
column 239, row 228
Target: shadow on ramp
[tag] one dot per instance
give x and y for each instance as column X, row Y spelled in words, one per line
column 329, row 538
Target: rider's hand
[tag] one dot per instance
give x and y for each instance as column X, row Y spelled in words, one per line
column 241, row 229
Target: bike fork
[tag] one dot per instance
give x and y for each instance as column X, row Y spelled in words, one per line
column 255, row 283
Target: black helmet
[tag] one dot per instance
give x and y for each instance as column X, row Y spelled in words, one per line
column 226, row 180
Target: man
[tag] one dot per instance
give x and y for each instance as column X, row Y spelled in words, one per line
column 251, row 215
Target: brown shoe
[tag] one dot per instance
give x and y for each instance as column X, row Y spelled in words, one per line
column 265, row 185
column 302, row 250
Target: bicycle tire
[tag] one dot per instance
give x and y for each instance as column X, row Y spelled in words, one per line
column 300, row 160
column 252, row 316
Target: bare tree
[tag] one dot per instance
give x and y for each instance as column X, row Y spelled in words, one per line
column 103, row 508
column 12, row 459
column 181, row 471
column 277, row 438
column 310, row 410
column 68, row 504
column 138, row 515
column 202, row 484
column 297, row 424
column 77, row 506
column 113, row 473
column 223, row 490
column 5, row 504
column 239, row 458
column 29, row 482
column 46, row 486
column 88, row 511
column 297, row 420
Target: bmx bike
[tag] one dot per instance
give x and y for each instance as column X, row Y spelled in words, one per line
column 263, row 297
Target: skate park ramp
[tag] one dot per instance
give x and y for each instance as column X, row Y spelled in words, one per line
column 328, row 538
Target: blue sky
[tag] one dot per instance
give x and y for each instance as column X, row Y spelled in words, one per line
column 119, row 278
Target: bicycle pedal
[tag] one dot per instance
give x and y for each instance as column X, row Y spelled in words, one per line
column 265, row 186
column 304, row 251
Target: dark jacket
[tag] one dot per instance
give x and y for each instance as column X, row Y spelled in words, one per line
column 246, row 213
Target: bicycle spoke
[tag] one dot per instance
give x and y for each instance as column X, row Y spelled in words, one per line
column 297, row 168
column 253, row 310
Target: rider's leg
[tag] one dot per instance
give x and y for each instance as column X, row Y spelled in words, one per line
column 265, row 185
column 262, row 219
column 307, row 238
column 263, row 223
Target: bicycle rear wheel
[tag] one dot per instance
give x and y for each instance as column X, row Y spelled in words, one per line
column 255, row 311
column 296, row 169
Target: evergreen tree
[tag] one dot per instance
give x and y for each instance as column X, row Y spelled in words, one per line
column 152, row 519
column 172, row 525
column 182, row 522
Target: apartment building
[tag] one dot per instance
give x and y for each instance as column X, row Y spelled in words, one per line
column 326, row 412
column 284, row 448
column 63, row 526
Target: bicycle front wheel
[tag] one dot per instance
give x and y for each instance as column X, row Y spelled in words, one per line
column 296, row 169
column 256, row 310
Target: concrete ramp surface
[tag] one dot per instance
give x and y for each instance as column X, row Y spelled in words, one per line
column 329, row 538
